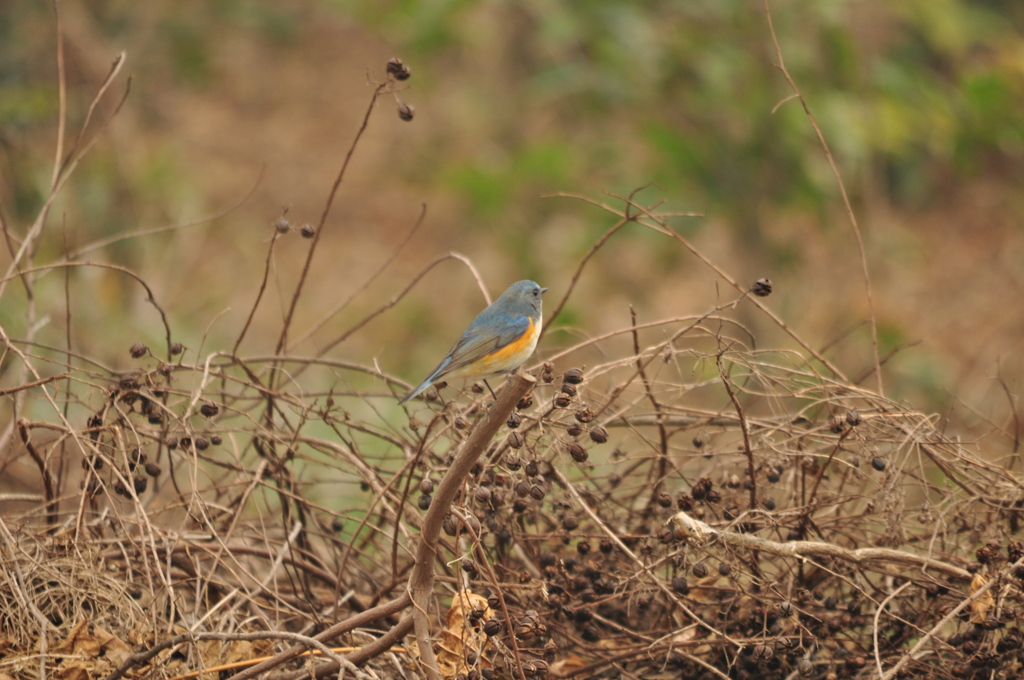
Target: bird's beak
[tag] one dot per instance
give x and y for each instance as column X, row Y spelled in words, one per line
column 543, row 290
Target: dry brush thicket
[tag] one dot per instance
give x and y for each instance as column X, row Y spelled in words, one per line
column 665, row 501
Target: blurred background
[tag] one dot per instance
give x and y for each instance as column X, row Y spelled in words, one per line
column 922, row 102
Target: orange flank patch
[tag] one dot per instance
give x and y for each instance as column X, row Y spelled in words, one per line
column 512, row 354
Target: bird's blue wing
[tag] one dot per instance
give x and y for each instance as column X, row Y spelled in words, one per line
column 483, row 337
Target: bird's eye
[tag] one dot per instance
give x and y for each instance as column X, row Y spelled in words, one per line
column 536, row 292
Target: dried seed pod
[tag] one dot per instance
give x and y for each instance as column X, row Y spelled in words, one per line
column 477, row 388
column 724, row 568
column 424, row 501
column 578, row 452
column 520, row 505
column 515, row 439
column 396, row 69
column 769, row 504
column 536, row 492
column 469, row 566
column 853, row 419
column 585, row 415
column 547, row 374
column 426, row 485
column 172, row 443
column 599, row 435
column 138, row 350
column 155, row 418
column 680, row 586
column 514, row 420
column 202, row 443
column 785, row 609
column 209, row 409
column 574, row 376
column 569, row 522
column 140, row 484
column 700, row 570
column 282, row 226
column 492, row 627
column 532, row 469
column 583, row 548
column 406, row 112
column 773, row 477
column 523, row 489
column 761, row 288
column 878, row 463
column 837, row 425
column 450, row 525
column 562, row 400
column 526, row 402
column 988, row 553
column 120, row 490
column 513, row 462
column 482, row 494
column 574, row 430
column 216, row 440
column 712, row 496
column 176, row 348
column 569, row 389
column 461, row 423
column 152, row 469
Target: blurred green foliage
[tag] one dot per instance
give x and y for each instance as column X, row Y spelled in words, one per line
column 617, row 93
column 522, row 98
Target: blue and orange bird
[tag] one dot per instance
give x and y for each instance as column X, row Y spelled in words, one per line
column 499, row 340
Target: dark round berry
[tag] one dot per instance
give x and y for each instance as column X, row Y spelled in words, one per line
column 878, row 463
column 138, row 350
column 578, row 452
column 396, row 69
column 574, row 376
column 761, row 288
column 209, row 409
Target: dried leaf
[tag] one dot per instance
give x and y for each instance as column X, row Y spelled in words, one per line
column 567, row 666
column 461, row 635
column 115, row 650
column 981, row 607
column 79, row 642
column 75, row 671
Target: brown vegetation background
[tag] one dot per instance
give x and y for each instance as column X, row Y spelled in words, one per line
column 528, row 116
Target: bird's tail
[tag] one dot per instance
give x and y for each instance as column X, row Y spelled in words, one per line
column 418, row 391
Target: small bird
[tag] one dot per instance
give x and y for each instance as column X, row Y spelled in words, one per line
column 499, row 340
